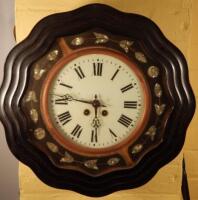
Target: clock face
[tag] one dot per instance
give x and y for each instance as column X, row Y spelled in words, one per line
column 95, row 100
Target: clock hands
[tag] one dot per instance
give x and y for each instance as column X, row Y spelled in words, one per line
column 68, row 97
column 95, row 103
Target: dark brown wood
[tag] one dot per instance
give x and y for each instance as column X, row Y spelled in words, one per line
column 170, row 114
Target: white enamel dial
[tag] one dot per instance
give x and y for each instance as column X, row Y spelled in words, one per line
column 96, row 101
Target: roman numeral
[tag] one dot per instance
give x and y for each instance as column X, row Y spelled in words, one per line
column 114, row 75
column 112, row 133
column 79, row 72
column 97, row 68
column 77, row 131
column 61, row 101
column 128, row 87
column 65, row 85
column 64, row 117
column 124, row 120
column 130, row 104
column 94, row 136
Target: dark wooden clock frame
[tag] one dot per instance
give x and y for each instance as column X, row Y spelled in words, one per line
column 154, row 45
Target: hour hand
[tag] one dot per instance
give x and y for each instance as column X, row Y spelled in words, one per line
column 68, row 97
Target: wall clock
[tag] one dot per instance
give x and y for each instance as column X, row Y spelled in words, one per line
column 96, row 100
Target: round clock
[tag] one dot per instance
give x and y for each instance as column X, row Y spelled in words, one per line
column 95, row 103
column 96, row 100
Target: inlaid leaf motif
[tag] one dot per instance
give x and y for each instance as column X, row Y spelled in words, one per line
column 67, row 158
column 34, row 115
column 137, row 148
column 52, row 147
column 113, row 161
column 125, row 44
column 153, row 71
column 77, row 41
column 140, row 57
column 151, row 132
column 91, row 164
column 159, row 109
column 31, row 96
column 38, row 72
column 101, row 38
column 158, row 90
column 39, row 133
column 53, row 55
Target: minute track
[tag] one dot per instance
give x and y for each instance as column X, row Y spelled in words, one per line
column 103, row 91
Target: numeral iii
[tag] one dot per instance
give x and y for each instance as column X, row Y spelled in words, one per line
column 130, row 104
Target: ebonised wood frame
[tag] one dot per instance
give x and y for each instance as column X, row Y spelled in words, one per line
column 80, row 20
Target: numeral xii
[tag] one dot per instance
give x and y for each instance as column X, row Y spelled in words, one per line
column 97, row 69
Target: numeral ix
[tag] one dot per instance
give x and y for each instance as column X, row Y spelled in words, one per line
column 61, row 101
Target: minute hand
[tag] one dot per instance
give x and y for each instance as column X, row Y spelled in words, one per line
column 83, row 101
column 70, row 98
